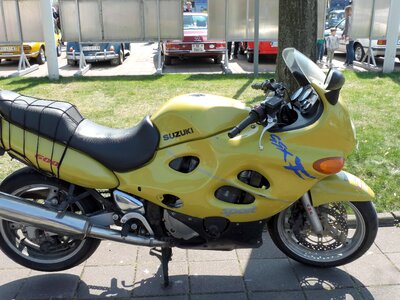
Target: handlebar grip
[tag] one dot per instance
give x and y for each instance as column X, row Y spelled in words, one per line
column 253, row 117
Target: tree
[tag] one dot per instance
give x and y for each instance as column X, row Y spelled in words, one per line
column 297, row 28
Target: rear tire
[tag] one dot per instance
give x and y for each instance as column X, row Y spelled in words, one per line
column 218, row 59
column 250, row 57
column 300, row 244
column 119, row 60
column 167, row 60
column 37, row 249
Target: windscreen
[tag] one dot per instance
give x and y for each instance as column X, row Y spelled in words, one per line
column 195, row 21
column 303, row 69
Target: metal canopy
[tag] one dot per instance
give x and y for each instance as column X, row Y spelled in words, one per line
column 29, row 12
column 370, row 19
column 121, row 20
column 233, row 20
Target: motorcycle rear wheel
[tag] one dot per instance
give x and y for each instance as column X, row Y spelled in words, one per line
column 35, row 248
column 350, row 229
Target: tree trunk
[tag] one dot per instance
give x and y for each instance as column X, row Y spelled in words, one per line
column 297, row 28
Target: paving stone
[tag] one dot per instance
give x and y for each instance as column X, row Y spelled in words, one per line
column 348, row 294
column 317, row 278
column 11, row 282
column 395, row 259
column 46, row 286
column 177, row 255
column 388, row 239
column 207, row 255
column 180, row 297
column 373, row 269
column 111, row 253
column 149, row 279
column 7, row 263
column 381, row 292
column 267, row 250
column 106, row 281
column 215, row 277
column 270, row 275
column 225, row 296
column 283, row 295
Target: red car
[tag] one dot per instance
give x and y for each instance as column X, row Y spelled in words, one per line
column 195, row 42
column 265, row 48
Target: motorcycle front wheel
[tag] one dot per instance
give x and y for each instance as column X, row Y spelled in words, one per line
column 349, row 229
column 39, row 249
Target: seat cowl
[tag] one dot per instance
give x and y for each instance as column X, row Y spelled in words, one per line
column 120, row 150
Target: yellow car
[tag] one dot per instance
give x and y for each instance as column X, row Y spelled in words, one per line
column 36, row 50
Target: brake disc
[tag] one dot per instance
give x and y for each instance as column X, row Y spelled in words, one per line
column 333, row 218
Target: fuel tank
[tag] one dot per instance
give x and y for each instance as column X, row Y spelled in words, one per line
column 196, row 116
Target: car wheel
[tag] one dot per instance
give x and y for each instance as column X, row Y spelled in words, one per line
column 167, row 60
column 250, row 57
column 71, row 62
column 119, row 60
column 241, row 49
column 358, row 52
column 59, row 49
column 218, row 59
column 41, row 58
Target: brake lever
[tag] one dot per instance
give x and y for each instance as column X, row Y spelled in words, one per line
column 271, row 123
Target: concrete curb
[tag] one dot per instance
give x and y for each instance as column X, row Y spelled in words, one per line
column 389, row 219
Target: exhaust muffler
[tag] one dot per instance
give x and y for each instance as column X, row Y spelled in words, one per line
column 20, row 210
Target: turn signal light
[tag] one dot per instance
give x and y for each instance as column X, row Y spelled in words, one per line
column 329, row 165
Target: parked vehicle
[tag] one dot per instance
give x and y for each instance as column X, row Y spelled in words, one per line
column 195, row 42
column 115, row 53
column 35, row 51
column 203, row 172
column 265, row 48
column 361, row 45
column 333, row 18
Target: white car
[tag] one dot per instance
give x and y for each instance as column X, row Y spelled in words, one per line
column 361, row 45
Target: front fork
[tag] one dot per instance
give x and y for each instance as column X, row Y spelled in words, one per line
column 312, row 214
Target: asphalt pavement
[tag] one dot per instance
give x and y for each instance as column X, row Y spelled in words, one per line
column 143, row 61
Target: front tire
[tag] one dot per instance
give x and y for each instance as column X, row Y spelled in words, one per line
column 41, row 58
column 358, row 52
column 35, row 248
column 292, row 233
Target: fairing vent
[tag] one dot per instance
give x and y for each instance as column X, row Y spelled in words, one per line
column 254, row 179
column 233, row 195
column 184, row 164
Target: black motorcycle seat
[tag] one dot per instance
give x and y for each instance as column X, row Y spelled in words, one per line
column 120, row 150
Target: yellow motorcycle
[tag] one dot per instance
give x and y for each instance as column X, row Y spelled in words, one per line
column 203, row 172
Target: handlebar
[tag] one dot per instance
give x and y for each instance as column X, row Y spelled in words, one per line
column 252, row 118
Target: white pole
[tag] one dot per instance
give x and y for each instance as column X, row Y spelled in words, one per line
column 49, row 39
column 392, row 36
column 256, row 35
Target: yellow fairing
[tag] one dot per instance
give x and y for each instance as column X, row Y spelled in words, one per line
column 341, row 187
column 42, row 153
column 222, row 159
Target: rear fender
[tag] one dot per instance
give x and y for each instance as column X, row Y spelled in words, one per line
column 341, row 187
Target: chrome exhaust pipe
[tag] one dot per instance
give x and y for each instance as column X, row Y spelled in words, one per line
column 20, row 210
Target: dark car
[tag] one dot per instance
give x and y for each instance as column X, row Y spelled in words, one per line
column 195, row 42
column 93, row 52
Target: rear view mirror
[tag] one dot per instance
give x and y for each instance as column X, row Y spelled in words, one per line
column 334, row 80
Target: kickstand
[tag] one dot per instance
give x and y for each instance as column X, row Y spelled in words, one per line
column 166, row 255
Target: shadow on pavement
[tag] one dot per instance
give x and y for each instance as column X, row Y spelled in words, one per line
column 270, row 282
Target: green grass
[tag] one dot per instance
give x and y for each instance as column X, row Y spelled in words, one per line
column 373, row 101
